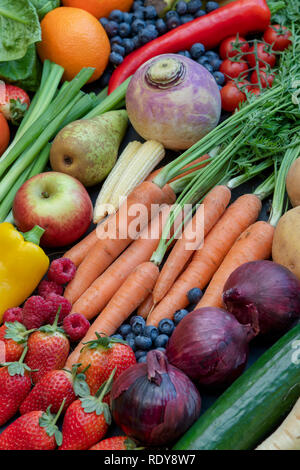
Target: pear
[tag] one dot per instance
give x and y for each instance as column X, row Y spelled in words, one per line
column 87, row 149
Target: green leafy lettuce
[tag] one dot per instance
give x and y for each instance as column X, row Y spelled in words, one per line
column 20, row 27
column 25, row 72
column 44, row 6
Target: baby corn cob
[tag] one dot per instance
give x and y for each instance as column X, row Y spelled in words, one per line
column 102, row 207
column 145, row 160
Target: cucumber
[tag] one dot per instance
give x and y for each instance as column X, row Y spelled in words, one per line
column 253, row 405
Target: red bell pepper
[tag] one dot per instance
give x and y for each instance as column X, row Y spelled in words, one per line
column 241, row 16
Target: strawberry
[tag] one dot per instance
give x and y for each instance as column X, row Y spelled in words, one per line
column 15, row 384
column 14, row 102
column 115, row 443
column 104, row 354
column 34, row 431
column 53, row 388
column 48, row 349
column 14, row 337
column 87, row 420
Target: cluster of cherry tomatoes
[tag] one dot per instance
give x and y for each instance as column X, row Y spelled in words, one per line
column 247, row 66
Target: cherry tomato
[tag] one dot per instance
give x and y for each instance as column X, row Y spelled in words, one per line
column 232, row 46
column 231, row 97
column 4, row 134
column 234, row 69
column 266, row 79
column 264, row 54
column 278, row 36
column 254, row 90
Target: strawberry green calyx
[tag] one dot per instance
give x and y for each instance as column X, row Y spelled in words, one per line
column 80, row 387
column 95, row 404
column 17, row 332
column 106, row 342
column 48, row 421
column 17, row 368
column 17, row 110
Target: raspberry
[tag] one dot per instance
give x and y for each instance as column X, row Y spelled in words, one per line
column 57, row 301
column 76, row 326
column 13, row 314
column 49, row 287
column 36, row 312
column 61, row 271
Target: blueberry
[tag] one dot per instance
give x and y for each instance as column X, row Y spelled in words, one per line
column 161, row 341
column 125, row 329
column 179, row 315
column 111, row 28
column 161, row 26
column 116, row 15
column 118, row 49
column 166, row 326
column 203, row 60
column 194, row 295
column 128, row 45
column 138, row 325
column 150, row 12
column 219, row 77
column 193, row 6
column 104, row 21
column 211, row 6
column 117, row 40
column 200, row 13
column 151, row 332
column 171, row 14
column 147, row 35
column 173, row 22
column 104, row 79
column 115, row 58
column 142, row 359
column 186, row 19
column 185, row 54
column 127, row 17
column 209, row 67
column 131, row 343
column 140, row 353
column 181, row 8
column 197, row 50
column 130, row 336
column 212, row 55
column 143, row 342
column 138, row 15
column 136, row 41
column 117, row 336
column 215, row 63
column 137, row 4
column 124, row 30
column 138, row 25
column 163, row 350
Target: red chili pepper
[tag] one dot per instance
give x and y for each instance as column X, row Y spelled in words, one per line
column 241, row 16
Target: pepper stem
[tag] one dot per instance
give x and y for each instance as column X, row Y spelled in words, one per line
column 34, row 235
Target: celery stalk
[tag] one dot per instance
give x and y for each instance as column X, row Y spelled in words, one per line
column 111, row 101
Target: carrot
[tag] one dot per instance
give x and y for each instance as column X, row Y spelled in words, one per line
column 96, row 297
column 215, row 204
column 195, row 162
column 255, row 243
column 106, row 250
column 206, row 260
column 145, row 307
column 79, row 251
column 131, row 294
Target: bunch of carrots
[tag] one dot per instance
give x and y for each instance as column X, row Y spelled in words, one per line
column 117, row 276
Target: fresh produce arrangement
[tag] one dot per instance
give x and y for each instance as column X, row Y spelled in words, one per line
column 149, row 225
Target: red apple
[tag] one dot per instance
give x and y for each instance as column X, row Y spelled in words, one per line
column 56, row 202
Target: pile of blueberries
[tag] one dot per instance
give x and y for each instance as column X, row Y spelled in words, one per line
column 129, row 31
column 142, row 338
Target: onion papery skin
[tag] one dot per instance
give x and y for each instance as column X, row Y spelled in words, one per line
column 211, row 347
column 270, row 289
column 179, row 113
column 154, row 411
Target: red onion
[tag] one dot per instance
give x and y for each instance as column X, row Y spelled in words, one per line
column 174, row 100
column 154, row 403
column 267, row 288
column 210, row 346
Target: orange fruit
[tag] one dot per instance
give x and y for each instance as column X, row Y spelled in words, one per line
column 73, row 38
column 99, row 8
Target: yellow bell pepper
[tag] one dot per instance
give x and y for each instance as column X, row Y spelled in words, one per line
column 22, row 265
